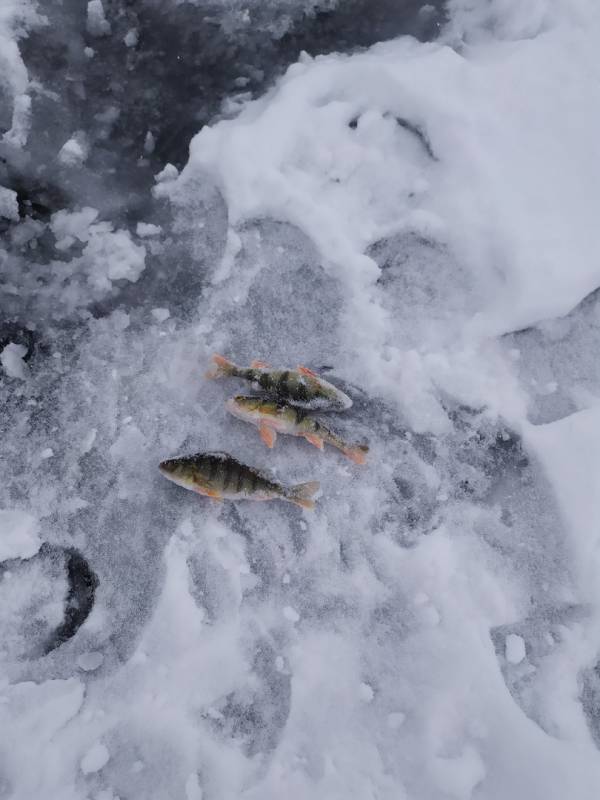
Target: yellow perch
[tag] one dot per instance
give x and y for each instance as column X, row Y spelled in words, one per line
column 221, row 476
column 272, row 418
column 298, row 387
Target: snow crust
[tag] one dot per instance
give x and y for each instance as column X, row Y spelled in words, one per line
column 422, row 219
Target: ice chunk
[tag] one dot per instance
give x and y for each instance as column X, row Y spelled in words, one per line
column 113, row 256
column 74, row 152
column 97, row 24
column 144, row 229
column 131, row 37
column 514, row 649
column 169, row 173
column 11, row 359
column 95, row 758
column 90, row 661
column 161, row 314
column 9, row 208
column 19, row 534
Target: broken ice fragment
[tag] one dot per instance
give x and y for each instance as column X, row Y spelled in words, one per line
column 9, row 208
column 11, row 359
column 514, row 649
column 97, row 24
column 74, row 151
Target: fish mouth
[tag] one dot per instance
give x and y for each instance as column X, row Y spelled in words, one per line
column 167, row 467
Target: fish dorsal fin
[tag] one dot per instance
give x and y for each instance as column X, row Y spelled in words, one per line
column 306, row 371
column 259, row 365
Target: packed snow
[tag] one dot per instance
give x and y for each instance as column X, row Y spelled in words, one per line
column 418, row 221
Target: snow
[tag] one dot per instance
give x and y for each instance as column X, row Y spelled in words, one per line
column 416, row 219
column 19, row 534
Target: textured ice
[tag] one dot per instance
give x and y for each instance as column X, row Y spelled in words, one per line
column 418, row 221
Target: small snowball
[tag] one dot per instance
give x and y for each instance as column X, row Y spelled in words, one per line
column 97, row 24
column 161, row 314
column 286, row 578
column 48, row 452
column 131, row 38
column 19, row 534
column 366, row 692
column 9, row 208
column 11, row 359
column 89, row 52
column 95, row 758
column 291, row 614
column 88, row 662
column 514, row 649
column 144, row 229
column 395, row 720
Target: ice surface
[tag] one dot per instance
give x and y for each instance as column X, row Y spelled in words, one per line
column 417, row 220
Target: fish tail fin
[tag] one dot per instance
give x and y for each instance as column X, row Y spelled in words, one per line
column 357, row 453
column 222, row 367
column 302, row 493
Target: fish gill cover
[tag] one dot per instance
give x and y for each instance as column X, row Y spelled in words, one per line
column 404, row 193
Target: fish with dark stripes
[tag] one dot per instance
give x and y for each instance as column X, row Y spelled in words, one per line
column 272, row 418
column 300, row 387
column 223, row 477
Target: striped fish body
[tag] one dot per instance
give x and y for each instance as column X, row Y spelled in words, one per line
column 272, row 418
column 298, row 387
column 221, row 476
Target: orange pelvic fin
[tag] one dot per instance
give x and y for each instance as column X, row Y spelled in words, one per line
column 209, row 493
column 313, row 439
column 259, row 365
column 358, row 453
column 268, row 435
column 307, row 371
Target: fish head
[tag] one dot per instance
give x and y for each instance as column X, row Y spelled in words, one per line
column 245, row 407
column 180, row 471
